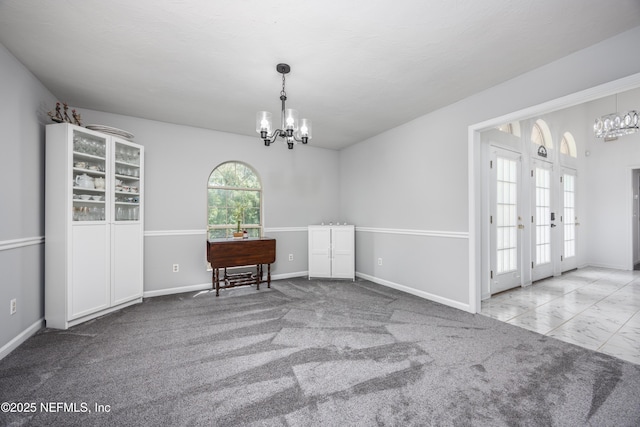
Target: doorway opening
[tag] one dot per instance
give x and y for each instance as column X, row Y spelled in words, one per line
column 479, row 244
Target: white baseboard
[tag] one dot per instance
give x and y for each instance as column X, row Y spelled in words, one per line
column 609, row 266
column 20, row 338
column 289, row 275
column 416, row 292
column 208, row 286
column 178, row 290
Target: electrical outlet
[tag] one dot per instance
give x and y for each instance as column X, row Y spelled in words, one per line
column 290, row 257
column 379, row 261
column 13, row 307
column 176, row 268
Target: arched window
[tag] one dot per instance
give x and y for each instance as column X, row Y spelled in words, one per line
column 234, row 200
column 541, row 135
column 512, row 128
column 568, row 145
column 507, row 128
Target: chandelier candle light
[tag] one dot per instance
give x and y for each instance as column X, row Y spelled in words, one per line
column 291, row 130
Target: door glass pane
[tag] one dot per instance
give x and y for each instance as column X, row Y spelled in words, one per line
column 543, row 216
column 506, row 216
column 569, row 215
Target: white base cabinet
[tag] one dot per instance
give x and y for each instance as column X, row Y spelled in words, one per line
column 332, row 251
column 93, row 224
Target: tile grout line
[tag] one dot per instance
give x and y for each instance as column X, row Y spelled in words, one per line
column 591, row 305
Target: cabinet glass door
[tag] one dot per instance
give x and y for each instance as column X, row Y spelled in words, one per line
column 126, row 182
column 89, row 176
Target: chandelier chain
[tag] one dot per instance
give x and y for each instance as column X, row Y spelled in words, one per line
column 282, row 92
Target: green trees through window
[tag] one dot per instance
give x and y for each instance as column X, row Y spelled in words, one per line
column 234, row 197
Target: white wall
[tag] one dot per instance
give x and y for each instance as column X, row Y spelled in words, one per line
column 405, row 184
column 609, row 183
column 300, row 187
column 22, row 116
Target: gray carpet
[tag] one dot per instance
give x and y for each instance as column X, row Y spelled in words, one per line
column 312, row 353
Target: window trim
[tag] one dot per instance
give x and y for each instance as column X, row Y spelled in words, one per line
column 260, row 226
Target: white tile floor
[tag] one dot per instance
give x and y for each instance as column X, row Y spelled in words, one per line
column 595, row 308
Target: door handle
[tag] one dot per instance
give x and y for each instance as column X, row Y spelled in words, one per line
column 520, row 226
column 553, row 225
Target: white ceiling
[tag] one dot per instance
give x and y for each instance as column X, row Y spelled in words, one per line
column 358, row 67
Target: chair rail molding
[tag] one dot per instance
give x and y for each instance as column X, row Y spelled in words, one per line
column 427, row 233
column 20, row 243
column 203, row 232
column 163, row 233
column 284, row 229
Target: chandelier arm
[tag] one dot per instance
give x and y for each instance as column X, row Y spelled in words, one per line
column 275, row 134
column 304, row 139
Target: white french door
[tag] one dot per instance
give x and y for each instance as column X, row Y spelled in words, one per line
column 505, row 220
column 543, row 221
column 569, row 220
column 554, row 220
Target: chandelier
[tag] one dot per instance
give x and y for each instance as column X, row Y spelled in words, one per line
column 613, row 125
column 290, row 129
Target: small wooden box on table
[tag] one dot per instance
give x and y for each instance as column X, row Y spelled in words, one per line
column 224, row 253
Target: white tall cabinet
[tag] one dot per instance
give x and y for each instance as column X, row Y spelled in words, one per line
column 93, row 224
column 332, row 251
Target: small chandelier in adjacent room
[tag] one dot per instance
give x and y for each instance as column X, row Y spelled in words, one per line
column 613, row 125
column 291, row 130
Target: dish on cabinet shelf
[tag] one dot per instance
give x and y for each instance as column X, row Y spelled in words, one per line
column 89, row 144
column 121, row 200
column 126, row 189
column 84, row 213
column 84, row 196
column 129, row 171
column 90, row 171
column 111, row 131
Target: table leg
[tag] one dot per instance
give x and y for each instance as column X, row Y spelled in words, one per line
column 257, row 277
column 217, row 273
column 269, row 276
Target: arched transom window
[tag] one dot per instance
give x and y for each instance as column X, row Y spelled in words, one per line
column 541, row 135
column 512, row 128
column 568, row 145
column 507, row 128
column 234, row 200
